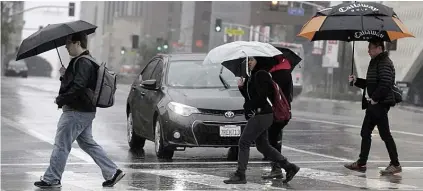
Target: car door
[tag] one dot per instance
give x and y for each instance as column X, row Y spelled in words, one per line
column 139, row 106
column 151, row 98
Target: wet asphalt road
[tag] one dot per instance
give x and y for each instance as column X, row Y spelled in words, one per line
column 321, row 138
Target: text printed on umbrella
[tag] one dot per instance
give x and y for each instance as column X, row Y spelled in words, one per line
column 360, row 34
column 356, row 6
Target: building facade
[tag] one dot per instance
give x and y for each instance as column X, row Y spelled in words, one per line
column 147, row 19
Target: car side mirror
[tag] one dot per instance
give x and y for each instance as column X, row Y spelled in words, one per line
column 149, row 84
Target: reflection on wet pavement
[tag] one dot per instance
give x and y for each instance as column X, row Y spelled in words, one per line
column 322, row 136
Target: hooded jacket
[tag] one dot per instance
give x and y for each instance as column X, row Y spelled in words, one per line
column 257, row 88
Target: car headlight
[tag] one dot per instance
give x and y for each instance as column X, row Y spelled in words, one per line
column 182, row 109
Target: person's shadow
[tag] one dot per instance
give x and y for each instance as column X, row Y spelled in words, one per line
column 136, row 154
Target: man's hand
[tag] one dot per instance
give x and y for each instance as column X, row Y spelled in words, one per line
column 241, row 82
column 62, row 71
column 352, row 78
column 372, row 102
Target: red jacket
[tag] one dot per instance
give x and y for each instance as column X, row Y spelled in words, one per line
column 283, row 64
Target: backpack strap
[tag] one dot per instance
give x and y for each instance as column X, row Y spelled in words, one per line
column 88, row 91
column 83, row 56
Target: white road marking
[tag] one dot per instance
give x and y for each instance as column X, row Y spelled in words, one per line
column 203, row 163
column 86, row 181
column 316, row 154
column 209, row 180
column 353, row 126
column 351, row 180
column 406, row 167
column 77, row 152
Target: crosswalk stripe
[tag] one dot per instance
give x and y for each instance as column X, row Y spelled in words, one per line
column 352, row 180
column 85, row 181
column 209, row 180
column 92, row 181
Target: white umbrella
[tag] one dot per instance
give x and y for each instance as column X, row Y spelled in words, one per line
column 232, row 54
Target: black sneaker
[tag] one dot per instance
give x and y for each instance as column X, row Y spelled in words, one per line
column 116, row 178
column 236, row 178
column 276, row 172
column 291, row 170
column 43, row 184
column 356, row 167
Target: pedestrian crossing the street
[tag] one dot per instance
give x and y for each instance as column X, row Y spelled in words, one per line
column 211, row 178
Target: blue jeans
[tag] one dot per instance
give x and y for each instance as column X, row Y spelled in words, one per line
column 76, row 125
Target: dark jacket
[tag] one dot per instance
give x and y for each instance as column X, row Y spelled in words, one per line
column 284, row 80
column 73, row 85
column 257, row 88
column 379, row 81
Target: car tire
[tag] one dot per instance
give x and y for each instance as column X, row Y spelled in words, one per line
column 162, row 151
column 134, row 141
column 24, row 75
column 232, row 154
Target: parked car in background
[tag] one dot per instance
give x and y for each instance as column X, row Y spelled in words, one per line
column 177, row 102
column 17, row 68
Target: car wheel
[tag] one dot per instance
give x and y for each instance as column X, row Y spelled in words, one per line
column 232, row 154
column 24, row 75
column 162, row 152
column 134, row 141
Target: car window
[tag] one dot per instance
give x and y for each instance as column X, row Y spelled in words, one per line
column 158, row 73
column 146, row 73
column 195, row 74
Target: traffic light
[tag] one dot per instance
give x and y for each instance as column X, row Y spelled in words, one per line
column 122, row 50
column 274, row 5
column 159, row 42
column 71, row 12
column 218, row 25
column 165, row 45
column 135, row 41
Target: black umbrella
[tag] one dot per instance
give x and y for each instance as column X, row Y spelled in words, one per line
column 290, row 55
column 357, row 21
column 52, row 36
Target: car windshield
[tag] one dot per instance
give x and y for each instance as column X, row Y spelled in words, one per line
column 194, row 74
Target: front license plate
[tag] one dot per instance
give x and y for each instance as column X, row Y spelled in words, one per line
column 230, row 131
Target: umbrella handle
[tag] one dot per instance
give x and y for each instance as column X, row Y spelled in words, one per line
column 58, row 54
column 246, row 63
column 352, row 64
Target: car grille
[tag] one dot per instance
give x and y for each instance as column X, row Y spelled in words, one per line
column 220, row 112
column 207, row 133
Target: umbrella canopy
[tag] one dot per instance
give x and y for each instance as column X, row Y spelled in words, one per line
column 355, row 22
column 52, row 36
column 290, row 55
column 231, row 55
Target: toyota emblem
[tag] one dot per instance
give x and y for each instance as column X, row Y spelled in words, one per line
column 229, row 114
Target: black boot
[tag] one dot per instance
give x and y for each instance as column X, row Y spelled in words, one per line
column 276, row 172
column 236, row 178
column 291, row 170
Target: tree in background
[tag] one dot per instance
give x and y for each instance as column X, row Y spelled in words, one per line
column 7, row 24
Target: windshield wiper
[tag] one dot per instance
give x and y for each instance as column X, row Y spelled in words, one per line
column 227, row 86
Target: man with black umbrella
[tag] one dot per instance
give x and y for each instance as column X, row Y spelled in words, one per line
column 76, row 120
column 380, row 97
